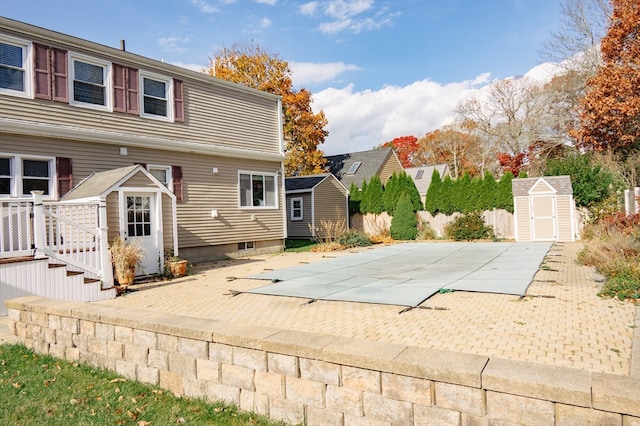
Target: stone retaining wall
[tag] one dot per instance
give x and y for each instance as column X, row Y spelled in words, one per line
column 320, row 379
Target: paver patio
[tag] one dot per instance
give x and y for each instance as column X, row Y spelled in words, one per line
column 561, row 321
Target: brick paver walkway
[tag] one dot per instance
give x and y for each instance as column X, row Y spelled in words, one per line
column 562, row 321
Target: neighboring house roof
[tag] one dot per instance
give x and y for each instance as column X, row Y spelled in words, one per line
column 561, row 184
column 422, row 175
column 355, row 167
column 305, row 183
column 101, row 182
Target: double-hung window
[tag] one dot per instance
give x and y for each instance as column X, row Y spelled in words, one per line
column 15, row 69
column 162, row 173
column 258, row 189
column 296, row 209
column 21, row 175
column 90, row 83
column 6, row 176
column 155, row 96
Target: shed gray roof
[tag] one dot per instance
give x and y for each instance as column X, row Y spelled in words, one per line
column 522, row 186
column 371, row 164
column 423, row 182
column 300, row 183
column 98, row 183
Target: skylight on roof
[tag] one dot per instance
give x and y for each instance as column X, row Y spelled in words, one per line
column 354, row 167
column 419, row 174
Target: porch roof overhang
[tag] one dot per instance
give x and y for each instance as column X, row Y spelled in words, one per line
column 100, row 184
column 32, row 128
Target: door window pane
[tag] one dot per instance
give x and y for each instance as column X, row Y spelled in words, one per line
column 139, row 216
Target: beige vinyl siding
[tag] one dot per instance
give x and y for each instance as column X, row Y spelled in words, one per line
column 563, row 218
column 390, row 166
column 167, row 222
column 300, row 228
column 215, row 112
column 113, row 216
column 330, row 202
column 138, row 181
column 203, row 191
column 522, row 218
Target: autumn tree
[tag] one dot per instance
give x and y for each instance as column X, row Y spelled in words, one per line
column 405, row 147
column 303, row 130
column 453, row 145
column 610, row 111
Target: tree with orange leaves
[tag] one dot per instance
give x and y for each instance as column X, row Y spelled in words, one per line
column 405, row 148
column 303, row 130
column 610, row 111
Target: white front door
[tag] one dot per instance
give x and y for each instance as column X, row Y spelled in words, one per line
column 140, row 217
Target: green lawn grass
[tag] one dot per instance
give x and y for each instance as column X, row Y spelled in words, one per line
column 42, row 390
column 297, row 246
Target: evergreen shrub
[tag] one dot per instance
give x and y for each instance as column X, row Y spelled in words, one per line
column 404, row 222
column 468, row 227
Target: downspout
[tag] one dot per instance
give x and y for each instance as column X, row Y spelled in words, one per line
column 283, row 196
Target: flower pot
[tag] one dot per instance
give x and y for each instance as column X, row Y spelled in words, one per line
column 126, row 276
column 178, row 268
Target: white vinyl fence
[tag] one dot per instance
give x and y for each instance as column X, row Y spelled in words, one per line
column 500, row 220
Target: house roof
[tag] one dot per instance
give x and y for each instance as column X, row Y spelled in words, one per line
column 306, row 183
column 422, row 175
column 345, row 167
column 152, row 64
column 521, row 186
column 101, row 183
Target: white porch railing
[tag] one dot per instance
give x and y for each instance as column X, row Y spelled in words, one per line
column 16, row 228
column 73, row 233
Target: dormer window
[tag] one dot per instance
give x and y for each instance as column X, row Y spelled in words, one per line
column 15, row 72
column 354, row 167
column 155, row 96
column 89, row 83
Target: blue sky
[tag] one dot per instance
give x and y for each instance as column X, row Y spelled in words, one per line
column 378, row 69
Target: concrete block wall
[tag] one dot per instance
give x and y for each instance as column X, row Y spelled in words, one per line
column 319, row 379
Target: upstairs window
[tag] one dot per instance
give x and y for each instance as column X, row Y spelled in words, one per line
column 15, row 72
column 89, row 82
column 257, row 190
column 155, row 96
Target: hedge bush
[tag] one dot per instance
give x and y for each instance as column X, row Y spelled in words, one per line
column 468, row 227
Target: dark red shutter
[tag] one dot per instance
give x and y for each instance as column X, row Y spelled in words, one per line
column 119, row 88
column 176, row 175
column 60, row 73
column 42, row 72
column 65, row 175
column 178, row 101
column 132, row 91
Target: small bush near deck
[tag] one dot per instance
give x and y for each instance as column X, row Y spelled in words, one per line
column 468, row 227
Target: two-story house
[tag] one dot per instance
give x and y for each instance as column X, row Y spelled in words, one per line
column 76, row 116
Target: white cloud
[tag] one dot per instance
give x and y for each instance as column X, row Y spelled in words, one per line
column 347, row 15
column 308, row 72
column 173, row 44
column 192, row 67
column 265, row 22
column 309, row 8
column 361, row 120
column 267, row 2
column 204, row 7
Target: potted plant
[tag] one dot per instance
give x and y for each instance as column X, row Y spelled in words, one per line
column 174, row 266
column 125, row 256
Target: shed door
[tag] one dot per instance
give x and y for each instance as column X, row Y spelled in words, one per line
column 141, row 225
column 543, row 217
